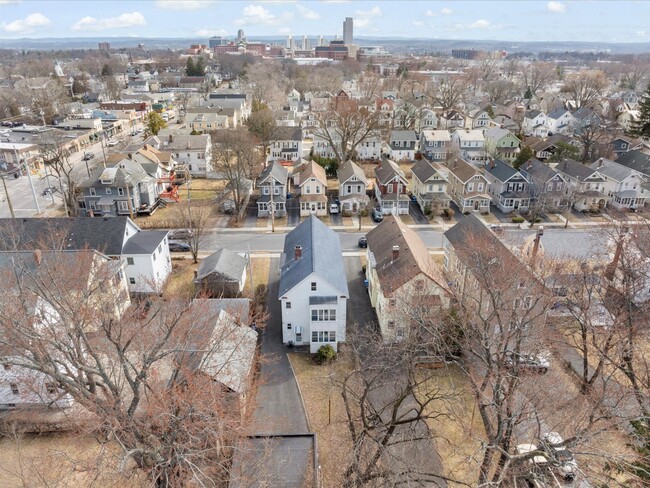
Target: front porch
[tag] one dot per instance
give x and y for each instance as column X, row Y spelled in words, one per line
column 511, row 201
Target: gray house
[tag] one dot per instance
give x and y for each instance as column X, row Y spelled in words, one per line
column 352, row 187
column 509, row 189
column 121, row 190
column 547, row 186
column 222, row 274
column 272, row 184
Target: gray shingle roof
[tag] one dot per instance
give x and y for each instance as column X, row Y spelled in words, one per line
column 224, row 262
column 321, row 254
column 403, row 135
column 349, row 168
column 276, row 170
column 144, row 242
column 423, row 170
column 636, row 160
column 574, row 169
column 105, row 234
column 500, row 170
column 538, row 171
column 387, row 171
column 612, row 169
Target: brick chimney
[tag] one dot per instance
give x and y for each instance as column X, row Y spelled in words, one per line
column 492, row 165
column 171, row 138
column 395, row 253
column 298, row 252
column 38, row 257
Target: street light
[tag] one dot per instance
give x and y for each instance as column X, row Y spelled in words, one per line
column 11, row 207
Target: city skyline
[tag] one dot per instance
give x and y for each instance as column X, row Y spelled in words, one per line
column 587, row 21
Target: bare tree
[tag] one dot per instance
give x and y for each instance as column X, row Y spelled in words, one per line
column 498, row 90
column 591, row 138
column 344, row 126
column 262, row 124
column 183, row 100
column 267, row 84
column 447, row 93
column 370, row 85
column 56, row 156
column 238, row 160
column 196, row 217
column 537, row 76
column 137, row 377
column 45, row 98
column 585, row 88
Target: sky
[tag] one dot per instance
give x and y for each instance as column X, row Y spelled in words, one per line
column 603, row 21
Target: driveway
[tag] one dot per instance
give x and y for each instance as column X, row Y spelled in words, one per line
column 416, row 213
column 293, row 211
column 282, row 461
column 500, row 216
column 250, row 217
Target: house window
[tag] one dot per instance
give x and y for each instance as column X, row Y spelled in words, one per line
column 392, row 302
column 14, row 388
column 470, row 187
column 480, row 187
column 313, row 286
column 123, row 206
column 120, row 192
column 93, row 192
column 391, row 324
column 129, row 261
column 288, row 326
column 109, row 191
column 288, row 305
column 132, row 281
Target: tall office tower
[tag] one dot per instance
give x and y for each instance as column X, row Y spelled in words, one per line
column 347, row 30
column 240, row 36
column 305, row 43
column 321, row 42
column 290, row 42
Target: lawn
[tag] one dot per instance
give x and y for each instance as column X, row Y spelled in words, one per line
column 347, row 221
column 326, row 412
column 490, row 219
column 180, row 281
column 407, row 219
column 457, row 424
column 260, row 276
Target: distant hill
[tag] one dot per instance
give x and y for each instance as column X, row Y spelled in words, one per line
column 416, row 45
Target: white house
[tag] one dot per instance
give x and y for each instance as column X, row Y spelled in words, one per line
column 624, row 186
column 403, row 144
column 195, row 152
column 535, row 124
column 313, row 184
column 321, row 146
column 470, row 144
column 353, row 185
column 561, row 121
column 287, row 146
column 313, row 290
column 370, row 148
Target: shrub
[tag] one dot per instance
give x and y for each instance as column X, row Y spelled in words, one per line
column 325, row 354
column 517, row 220
column 364, row 213
column 448, row 213
column 427, row 210
column 363, row 268
column 346, row 213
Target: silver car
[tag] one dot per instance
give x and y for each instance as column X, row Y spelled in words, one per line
column 561, row 458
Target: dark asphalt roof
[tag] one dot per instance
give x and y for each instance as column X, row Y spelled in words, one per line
column 574, row 169
column 321, row 254
column 144, row 242
column 635, row 160
column 102, row 234
column 224, row 262
column 501, row 170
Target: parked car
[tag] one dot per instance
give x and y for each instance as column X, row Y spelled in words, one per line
column 112, row 143
column 180, row 234
column 363, row 242
column 88, row 156
column 377, row 216
column 561, row 458
column 535, row 362
column 179, row 246
column 496, row 227
column 334, row 208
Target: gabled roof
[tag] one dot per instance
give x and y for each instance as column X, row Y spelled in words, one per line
column 575, row 169
column 501, row 170
column 423, row 170
column 321, row 254
column 538, row 171
column 414, row 257
column 469, row 135
column 387, row 171
column 436, row 135
column 105, row 235
column 313, row 170
column 462, row 169
column 636, row 160
column 557, row 113
column 144, row 242
column 348, row 169
column 497, row 133
column 611, row 169
column 276, row 171
column 288, row 134
column 125, row 172
column 531, row 114
column 224, row 262
column 403, row 135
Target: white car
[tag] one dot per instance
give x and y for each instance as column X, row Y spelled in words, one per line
column 535, row 460
column 535, row 362
column 560, row 456
column 334, row 208
column 112, row 143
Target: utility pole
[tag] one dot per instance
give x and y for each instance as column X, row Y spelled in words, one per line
column 272, row 209
column 11, row 207
column 23, row 162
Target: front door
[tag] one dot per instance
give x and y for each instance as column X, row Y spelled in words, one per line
column 476, row 204
column 516, row 204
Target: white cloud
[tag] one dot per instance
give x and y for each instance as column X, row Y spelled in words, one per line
column 363, row 18
column 481, row 24
column 26, row 25
column 307, row 14
column 442, row 11
column 258, row 15
column 7, row 2
column 556, row 7
column 418, row 23
column 183, row 4
column 128, row 19
column 641, row 33
column 284, row 30
column 211, row 32
column 336, row 1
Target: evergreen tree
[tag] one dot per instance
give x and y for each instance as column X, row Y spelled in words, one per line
column 189, row 67
column 154, row 122
column 641, row 126
column 525, row 154
column 199, row 68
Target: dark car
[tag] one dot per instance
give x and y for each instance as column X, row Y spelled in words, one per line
column 88, row 156
column 377, row 216
column 363, row 242
column 177, row 246
column 180, row 234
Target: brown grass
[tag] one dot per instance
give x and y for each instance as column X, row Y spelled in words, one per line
column 261, row 266
column 458, row 426
column 262, row 222
column 407, row 219
column 319, row 393
column 180, row 280
column 62, row 460
column 490, row 219
column 347, row 221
